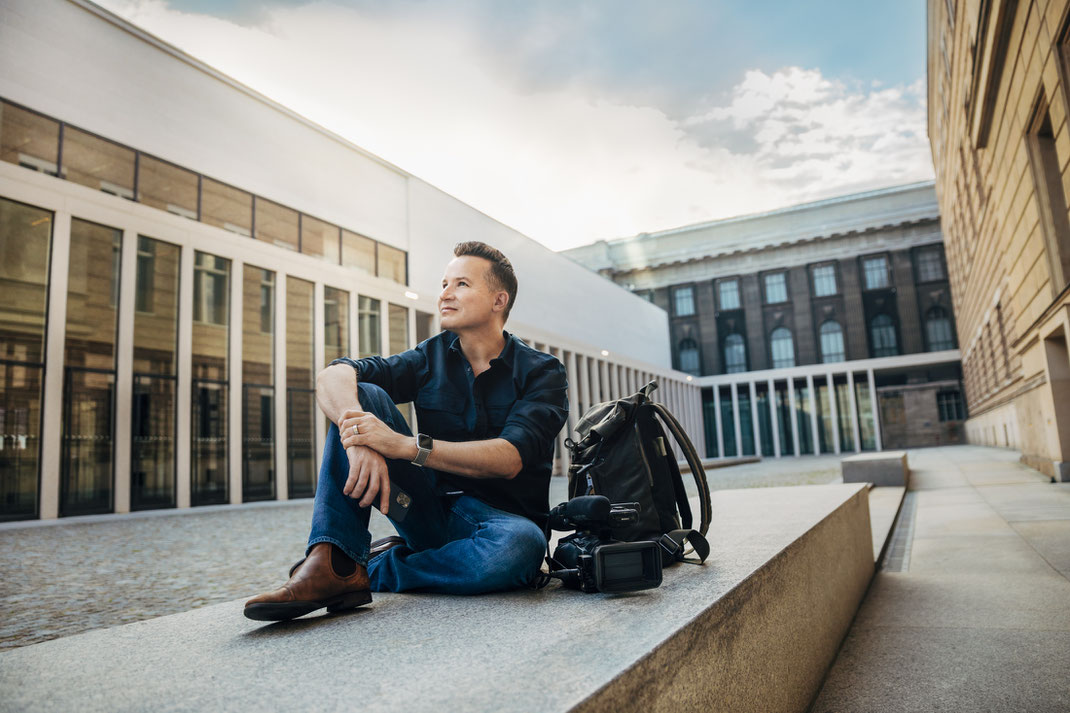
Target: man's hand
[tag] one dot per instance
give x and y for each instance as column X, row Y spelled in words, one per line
column 360, row 428
column 368, row 477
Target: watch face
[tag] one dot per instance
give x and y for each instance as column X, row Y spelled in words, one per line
column 424, row 441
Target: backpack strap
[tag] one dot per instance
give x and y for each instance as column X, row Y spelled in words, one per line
column 693, row 460
column 672, row 544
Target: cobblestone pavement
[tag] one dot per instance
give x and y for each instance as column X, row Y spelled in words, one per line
column 61, row 579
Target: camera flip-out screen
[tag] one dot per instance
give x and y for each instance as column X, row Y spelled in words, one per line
column 627, row 566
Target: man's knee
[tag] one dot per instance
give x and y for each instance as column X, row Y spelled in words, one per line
column 519, row 550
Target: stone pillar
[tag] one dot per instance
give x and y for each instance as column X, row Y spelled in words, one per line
column 55, row 343
column 717, row 420
column 754, row 420
column 124, row 371
column 792, row 406
column 234, row 390
column 813, row 413
column 835, row 411
column 854, row 412
column 773, row 420
column 873, row 407
column 282, row 471
column 735, row 417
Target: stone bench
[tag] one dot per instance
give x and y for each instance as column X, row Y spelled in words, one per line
column 884, row 468
column 755, row 629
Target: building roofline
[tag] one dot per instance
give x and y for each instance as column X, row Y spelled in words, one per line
column 825, row 202
column 151, row 39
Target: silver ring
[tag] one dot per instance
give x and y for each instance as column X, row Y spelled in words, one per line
column 356, row 430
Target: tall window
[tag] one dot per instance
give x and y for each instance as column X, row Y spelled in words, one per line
column 300, row 387
column 683, row 300
column 824, row 277
column 1050, row 194
column 728, row 294
column 153, row 417
column 258, row 384
column 882, row 336
column 210, row 347
column 25, row 242
column 369, row 317
column 689, row 360
column 782, row 347
column 875, row 272
column 832, row 349
column 938, row 330
column 776, row 288
column 335, row 323
column 735, row 354
column 930, row 266
column 89, row 371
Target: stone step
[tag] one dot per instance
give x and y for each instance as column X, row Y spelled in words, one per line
column 754, row 629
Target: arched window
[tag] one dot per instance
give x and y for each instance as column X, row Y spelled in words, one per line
column 938, row 330
column 735, row 354
column 689, row 356
column 782, row 347
column 831, row 342
column 882, row 336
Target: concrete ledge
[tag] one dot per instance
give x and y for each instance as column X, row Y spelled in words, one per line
column 711, row 463
column 885, row 468
column 753, row 630
column 884, row 506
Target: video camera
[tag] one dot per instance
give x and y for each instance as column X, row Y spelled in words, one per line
column 590, row 559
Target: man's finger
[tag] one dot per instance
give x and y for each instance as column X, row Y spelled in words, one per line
column 372, row 489
column 384, row 493
column 351, row 481
column 362, row 480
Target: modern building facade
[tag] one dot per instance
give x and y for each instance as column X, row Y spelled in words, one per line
column 179, row 255
column 820, row 328
column 998, row 101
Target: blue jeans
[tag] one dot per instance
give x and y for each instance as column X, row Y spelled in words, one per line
column 454, row 544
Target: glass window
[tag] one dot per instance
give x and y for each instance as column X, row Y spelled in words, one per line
column 882, row 335
column 98, row 163
column 424, row 324
column 335, row 323
column 210, row 289
column 683, row 300
column 938, row 330
column 167, row 187
column 392, row 264
column 399, row 329
column 782, row 347
column 25, row 241
column 300, row 387
column 832, row 349
column 358, row 251
column 728, row 294
column 319, row 238
column 647, row 295
column 89, row 370
column 210, row 342
column 276, row 224
column 824, row 277
column 258, row 384
column 735, row 354
column 875, row 272
column 369, row 338
column 28, row 139
column 689, row 357
column 776, row 288
column 153, row 416
column 951, row 405
column 226, row 207
column 930, row 266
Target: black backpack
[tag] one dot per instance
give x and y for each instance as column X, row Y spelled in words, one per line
column 623, row 453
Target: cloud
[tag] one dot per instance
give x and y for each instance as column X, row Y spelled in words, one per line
column 563, row 161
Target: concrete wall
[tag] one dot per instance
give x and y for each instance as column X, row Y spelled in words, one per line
column 998, row 103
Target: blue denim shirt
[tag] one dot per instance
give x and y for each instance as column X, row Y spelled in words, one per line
column 521, row 398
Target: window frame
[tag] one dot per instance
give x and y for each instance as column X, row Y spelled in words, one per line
column 720, row 302
column 865, row 272
column 676, row 292
column 814, row 281
column 783, row 275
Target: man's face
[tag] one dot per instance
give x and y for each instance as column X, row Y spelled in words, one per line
column 467, row 298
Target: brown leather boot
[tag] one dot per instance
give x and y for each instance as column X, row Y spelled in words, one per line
column 312, row 585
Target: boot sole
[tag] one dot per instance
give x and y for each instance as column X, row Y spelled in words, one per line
column 284, row 611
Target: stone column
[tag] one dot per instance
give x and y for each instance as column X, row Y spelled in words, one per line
column 873, row 407
column 774, row 422
column 235, row 365
column 754, row 420
column 124, row 371
column 835, row 411
column 792, row 406
column 717, row 420
column 735, row 417
column 813, row 413
column 854, row 412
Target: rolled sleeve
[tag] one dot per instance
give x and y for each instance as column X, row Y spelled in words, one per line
column 399, row 375
column 538, row 415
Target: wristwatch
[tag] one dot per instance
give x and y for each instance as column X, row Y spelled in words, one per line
column 424, row 444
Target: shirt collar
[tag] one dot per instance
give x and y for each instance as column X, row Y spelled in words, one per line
column 507, row 352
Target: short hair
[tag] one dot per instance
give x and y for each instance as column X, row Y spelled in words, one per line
column 501, row 272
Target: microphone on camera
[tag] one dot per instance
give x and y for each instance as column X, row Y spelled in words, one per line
column 580, row 511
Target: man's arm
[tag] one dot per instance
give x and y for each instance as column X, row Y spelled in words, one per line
column 492, row 458
column 336, row 391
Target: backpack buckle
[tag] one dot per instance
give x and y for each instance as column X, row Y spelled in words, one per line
column 670, row 546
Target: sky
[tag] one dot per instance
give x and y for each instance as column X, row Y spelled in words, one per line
column 575, row 121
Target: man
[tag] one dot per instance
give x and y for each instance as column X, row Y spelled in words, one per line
column 475, row 481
